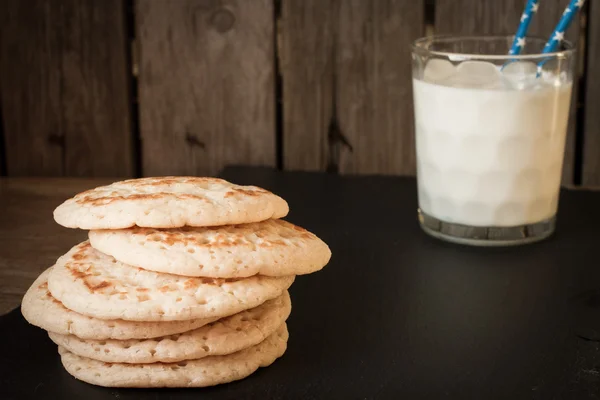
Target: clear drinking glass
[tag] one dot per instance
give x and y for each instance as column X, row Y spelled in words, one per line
column 490, row 136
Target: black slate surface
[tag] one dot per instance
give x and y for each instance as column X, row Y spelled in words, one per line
column 396, row 314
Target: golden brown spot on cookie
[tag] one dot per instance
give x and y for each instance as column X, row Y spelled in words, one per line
column 209, row 281
column 101, row 285
column 191, row 284
column 78, row 255
column 246, row 192
column 77, row 274
column 191, row 251
column 200, row 241
column 143, row 297
column 142, row 231
column 165, row 288
column 91, row 199
column 43, row 285
column 187, row 196
column 142, row 289
column 155, row 238
column 171, row 239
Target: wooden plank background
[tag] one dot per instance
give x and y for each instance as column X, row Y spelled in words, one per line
column 207, row 73
column 591, row 140
column 306, row 27
column 206, row 85
column 64, row 97
column 358, row 66
column 374, row 96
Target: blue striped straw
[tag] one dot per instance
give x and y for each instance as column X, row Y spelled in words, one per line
column 519, row 41
column 558, row 34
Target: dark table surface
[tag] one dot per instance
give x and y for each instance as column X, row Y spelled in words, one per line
column 396, row 314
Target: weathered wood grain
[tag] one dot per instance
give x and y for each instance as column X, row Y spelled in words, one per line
column 95, row 90
column 591, row 139
column 206, row 84
column 30, row 240
column 2, row 147
column 306, row 28
column 359, row 52
column 491, row 17
column 30, row 89
column 65, row 88
column 374, row 75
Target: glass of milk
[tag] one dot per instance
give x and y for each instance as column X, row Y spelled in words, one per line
column 490, row 136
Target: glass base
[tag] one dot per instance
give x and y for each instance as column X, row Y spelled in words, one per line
column 484, row 235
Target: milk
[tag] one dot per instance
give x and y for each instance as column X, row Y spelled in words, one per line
column 490, row 157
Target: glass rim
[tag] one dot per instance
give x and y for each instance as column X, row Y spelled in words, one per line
column 417, row 46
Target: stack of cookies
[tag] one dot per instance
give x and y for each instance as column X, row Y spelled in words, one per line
column 182, row 283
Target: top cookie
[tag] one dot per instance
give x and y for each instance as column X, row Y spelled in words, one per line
column 169, row 202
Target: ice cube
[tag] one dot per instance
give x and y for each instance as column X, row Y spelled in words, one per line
column 438, row 70
column 476, row 74
column 520, row 74
column 552, row 73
